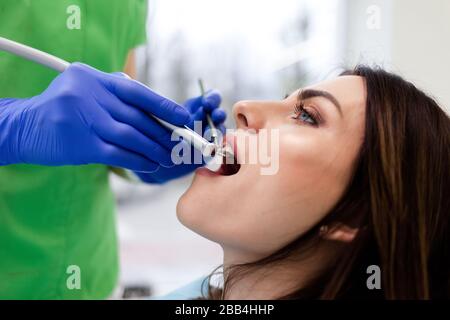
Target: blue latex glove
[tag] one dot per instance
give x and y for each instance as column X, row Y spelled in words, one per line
column 198, row 107
column 88, row 116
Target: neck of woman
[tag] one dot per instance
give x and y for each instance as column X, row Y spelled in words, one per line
column 274, row 280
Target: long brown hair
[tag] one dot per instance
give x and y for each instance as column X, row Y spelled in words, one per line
column 398, row 197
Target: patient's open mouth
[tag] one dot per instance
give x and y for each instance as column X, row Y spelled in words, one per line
column 224, row 160
column 229, row 166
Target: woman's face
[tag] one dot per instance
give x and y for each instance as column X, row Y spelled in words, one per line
column 318, row 142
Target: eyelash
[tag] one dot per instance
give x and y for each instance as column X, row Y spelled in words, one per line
column 299, row 109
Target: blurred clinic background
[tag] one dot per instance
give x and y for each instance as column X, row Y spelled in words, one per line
column 259, row 49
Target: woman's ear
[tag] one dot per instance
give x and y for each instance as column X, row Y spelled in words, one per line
column 338, row 232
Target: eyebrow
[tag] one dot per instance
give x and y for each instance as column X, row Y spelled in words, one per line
column 312, row 93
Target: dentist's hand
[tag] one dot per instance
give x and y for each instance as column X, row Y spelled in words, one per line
column 198, row 107
column 88, row 116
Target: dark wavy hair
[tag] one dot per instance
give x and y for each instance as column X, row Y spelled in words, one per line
column 398, row 197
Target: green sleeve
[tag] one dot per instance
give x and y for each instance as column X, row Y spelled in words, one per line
column 139, row 35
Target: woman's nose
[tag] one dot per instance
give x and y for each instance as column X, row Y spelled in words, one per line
column 248, row 115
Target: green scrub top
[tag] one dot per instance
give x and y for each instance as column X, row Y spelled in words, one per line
column 57, row 224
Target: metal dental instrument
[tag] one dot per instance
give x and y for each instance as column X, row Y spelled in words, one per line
column 225, row 152
column 207, row 148
column 214, row 133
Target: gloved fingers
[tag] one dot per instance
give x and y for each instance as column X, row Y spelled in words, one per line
column 119, row 157
column 163, row 174
column 218, row 116
column 6, row 101
column 211, row 100
column 193, row 104
column 121, row 74
column 137, row 94
column 139, row 120
column 125, row 136
column 199, row 115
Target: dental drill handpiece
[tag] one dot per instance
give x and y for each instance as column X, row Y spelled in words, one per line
column 207, row 148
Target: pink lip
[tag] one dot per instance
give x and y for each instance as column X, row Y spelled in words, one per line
column 206, row 172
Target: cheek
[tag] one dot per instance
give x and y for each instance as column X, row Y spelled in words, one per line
column 308, row 165
column 306, row 187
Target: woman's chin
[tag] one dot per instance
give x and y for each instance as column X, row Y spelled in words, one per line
column 201, row 207
column 191, row 207
column 193, row 215
column 184, row 209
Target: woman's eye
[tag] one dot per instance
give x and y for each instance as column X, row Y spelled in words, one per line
column 300, row 113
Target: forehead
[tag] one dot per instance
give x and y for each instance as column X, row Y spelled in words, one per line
column 350, row 91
